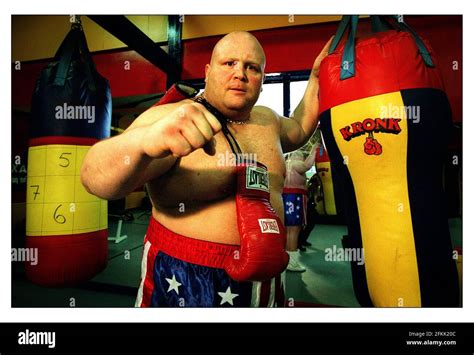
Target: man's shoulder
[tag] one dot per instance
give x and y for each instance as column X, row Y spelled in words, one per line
column 266, row 113
column 262, row 109
column 166, row 107
column 156, row 113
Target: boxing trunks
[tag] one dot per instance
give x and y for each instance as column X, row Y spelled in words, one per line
column 178, row 271
column 295, row 202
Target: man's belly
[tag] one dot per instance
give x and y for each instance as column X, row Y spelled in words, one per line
column 214, row 221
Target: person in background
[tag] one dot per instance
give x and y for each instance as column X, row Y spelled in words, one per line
column 314, row 197
column 295, row 200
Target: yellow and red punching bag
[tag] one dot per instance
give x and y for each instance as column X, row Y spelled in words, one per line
column 383, row 115
column 326, row 207
column 71, row 110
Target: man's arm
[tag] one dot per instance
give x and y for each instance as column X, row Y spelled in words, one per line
column 297, row 129
column 309, row 161
column 299, row 166
column 116, row 166
column 302, row 166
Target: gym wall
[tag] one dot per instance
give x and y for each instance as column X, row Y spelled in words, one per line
column 36, row 38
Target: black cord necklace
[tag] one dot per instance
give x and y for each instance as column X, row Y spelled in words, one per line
column 234, row 146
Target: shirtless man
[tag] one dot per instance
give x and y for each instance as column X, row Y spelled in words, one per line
column 175, row 149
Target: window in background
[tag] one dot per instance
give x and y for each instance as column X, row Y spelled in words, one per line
column 272, row 97
column 297, row 89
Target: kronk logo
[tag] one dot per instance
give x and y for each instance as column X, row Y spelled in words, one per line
column 371, row 126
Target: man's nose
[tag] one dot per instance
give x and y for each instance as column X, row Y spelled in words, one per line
column 239, row 72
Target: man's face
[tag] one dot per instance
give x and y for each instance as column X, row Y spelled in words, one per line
column 235, row 76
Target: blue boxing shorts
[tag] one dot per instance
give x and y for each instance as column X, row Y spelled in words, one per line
column 295, row 201
column 178, row 271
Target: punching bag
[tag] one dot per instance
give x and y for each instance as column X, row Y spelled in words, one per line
column 71, row 110
column 384, row 116
column 326, row 207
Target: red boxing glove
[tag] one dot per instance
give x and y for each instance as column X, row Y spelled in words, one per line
column 372, row 147
column 262, row 254
column 378, row 147
column 369, row 146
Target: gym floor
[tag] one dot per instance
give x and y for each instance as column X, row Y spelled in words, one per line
column 322, row 284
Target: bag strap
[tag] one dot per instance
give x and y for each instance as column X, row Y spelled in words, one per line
column 348, row 23
column 64, row 55
column 74, row 44
column 89, row 63
column 339, row 33
column 348, row 56
column 425, row 54
column 378, row 24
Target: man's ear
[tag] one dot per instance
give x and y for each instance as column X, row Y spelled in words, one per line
column 263, row 78
column 206, row 71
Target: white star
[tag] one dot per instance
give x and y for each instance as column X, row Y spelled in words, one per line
column 297, row 207
column 173, row 285
column 227, row 296
column 297, row 216
column 297, row 199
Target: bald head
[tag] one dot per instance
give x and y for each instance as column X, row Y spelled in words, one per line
column 237, row 38
column 235, row 74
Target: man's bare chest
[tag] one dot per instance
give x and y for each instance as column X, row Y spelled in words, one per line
column 202, row 177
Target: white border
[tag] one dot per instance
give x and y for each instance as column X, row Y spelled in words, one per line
column 227, row 315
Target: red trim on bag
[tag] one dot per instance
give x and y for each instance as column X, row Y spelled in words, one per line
column 386, row 62
column 33, row 142
column 324, row 158
column 67, row 259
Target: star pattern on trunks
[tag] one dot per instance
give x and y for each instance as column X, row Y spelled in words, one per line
column 174, row 284
column 227, row 296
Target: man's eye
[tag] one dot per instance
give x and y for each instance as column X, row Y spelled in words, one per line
column 254, row 68
column 230, row 63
